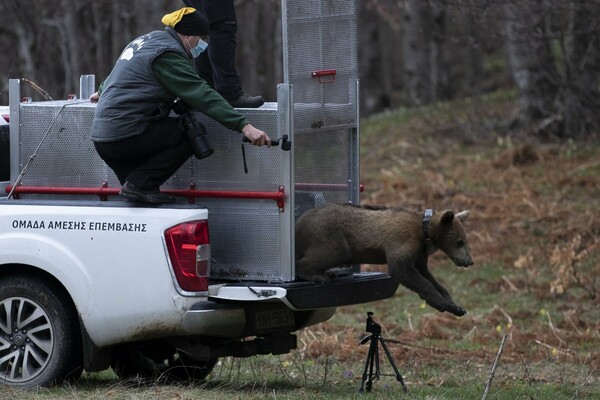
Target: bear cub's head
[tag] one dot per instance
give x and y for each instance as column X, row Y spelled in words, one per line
column 448, row 235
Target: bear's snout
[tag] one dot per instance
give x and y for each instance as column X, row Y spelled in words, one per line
column 463, row 262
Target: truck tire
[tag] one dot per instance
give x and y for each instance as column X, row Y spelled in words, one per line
column 40, row 339
column 158, row 361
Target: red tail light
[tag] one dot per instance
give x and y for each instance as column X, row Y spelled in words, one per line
column 188, row 245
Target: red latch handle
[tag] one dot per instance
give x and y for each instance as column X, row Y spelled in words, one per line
column 325, row 75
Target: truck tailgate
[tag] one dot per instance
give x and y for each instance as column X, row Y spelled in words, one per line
column 347, row 290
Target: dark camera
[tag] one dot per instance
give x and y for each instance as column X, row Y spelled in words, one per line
column 198, row 136
column 372, row 326
column 180, row 107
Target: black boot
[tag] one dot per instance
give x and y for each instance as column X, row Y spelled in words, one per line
column 247, row 101
column 131, row 193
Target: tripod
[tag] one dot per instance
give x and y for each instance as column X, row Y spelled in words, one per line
column 373, row 356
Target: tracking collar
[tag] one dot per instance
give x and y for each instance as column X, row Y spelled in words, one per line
column 425, row 223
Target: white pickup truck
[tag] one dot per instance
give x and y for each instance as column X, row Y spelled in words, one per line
column 96, row 284
column 89, row 281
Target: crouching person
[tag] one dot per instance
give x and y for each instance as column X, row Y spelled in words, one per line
column 132, row 131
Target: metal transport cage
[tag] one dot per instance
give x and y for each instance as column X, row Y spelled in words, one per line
column 251, row 214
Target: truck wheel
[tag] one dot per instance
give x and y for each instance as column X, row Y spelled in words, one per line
column 158, row 361
column 40, row 342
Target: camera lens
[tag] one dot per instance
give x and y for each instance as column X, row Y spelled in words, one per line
column 198, row 137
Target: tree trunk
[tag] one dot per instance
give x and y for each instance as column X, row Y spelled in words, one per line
column 22, row 23
column 532, row 64
column 581, row 102
column 423, row 49
column 373, row 55
column 259, row 55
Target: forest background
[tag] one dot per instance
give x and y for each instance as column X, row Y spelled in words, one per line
column 411, row 52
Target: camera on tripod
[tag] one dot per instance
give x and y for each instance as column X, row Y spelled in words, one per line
column 195, row 130
column 372, row 326
column 371, row 371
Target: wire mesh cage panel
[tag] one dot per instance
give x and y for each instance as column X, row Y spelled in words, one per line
column 320, row 61
column 224, row 169
column 245, row 234
column 324, row 165
column 245, row 240
column 66, row 156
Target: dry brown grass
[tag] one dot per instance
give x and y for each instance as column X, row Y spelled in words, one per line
column 535, row 220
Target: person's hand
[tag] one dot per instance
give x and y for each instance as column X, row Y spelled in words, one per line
column 256, row 136
column 94, row 98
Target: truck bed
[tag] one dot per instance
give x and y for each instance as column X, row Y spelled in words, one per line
column 353, row 288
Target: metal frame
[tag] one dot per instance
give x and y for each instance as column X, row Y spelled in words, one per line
column 285, row 125
column 14, row 101
column 104, row 191
column 354, row 167
column 87, row 86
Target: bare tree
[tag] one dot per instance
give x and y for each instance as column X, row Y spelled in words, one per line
column 423, row 50
column 581, row 99
column 379, row 55
column 54, row 43
column 259, row 54
column 21, row 35
column 530, row 59
column 553, row 50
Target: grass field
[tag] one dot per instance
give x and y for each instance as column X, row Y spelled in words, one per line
column 534, row 233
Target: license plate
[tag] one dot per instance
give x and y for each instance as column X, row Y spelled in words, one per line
column 274, row 319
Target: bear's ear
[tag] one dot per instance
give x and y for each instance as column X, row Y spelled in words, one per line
column 447, row 217
column 463, row 215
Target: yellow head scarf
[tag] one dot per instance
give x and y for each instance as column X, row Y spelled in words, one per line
column 175, row 17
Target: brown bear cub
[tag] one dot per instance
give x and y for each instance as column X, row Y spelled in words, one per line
column 336, row 235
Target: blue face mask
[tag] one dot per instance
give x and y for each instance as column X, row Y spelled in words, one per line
column 199, row 48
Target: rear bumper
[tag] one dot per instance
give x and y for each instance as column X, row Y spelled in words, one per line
column 236, row 320
column 232, row 308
